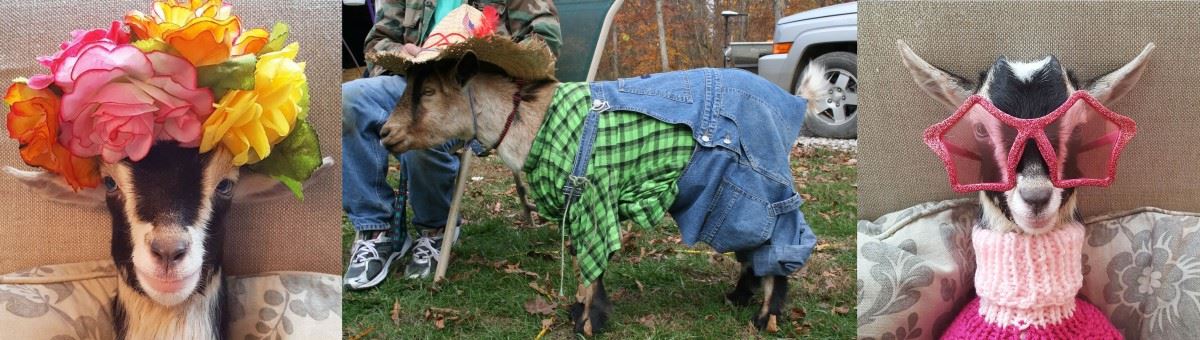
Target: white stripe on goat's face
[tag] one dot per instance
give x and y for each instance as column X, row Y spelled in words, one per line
column 168, row 213
column 1024, row 90
column 1028, row 90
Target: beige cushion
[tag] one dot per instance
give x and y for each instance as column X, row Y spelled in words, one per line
column 897, row 170
column 916, row 270
column 74, row 301
column 280, row 235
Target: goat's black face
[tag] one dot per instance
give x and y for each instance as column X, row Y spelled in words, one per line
column 168, row 213
column 1030, row 90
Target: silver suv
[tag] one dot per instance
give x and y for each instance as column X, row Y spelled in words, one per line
column 829, row 36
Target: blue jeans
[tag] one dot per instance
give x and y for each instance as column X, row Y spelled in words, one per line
column 369, row 202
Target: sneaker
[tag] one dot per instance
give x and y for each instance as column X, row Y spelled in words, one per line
column 370, row 260
column 425, row 254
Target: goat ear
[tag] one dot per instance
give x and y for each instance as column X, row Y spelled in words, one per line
column 253, row 187
column 466, row 67
column 947, row 88
column 1112, row 86
column 54, row 188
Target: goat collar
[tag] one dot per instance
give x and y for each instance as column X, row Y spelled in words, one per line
column 477, row 146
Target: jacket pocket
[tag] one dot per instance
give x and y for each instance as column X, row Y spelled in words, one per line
column 738, row 220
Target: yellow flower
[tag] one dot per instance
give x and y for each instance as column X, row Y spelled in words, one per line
column 249, row 122
column 203, row 31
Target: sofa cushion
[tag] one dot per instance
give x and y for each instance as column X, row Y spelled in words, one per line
column 916, row 270
column 74, row 301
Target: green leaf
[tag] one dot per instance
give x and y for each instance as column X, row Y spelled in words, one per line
column 294, row 159
column 237, row 73
column 276, row 41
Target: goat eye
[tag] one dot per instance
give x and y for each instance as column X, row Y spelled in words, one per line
column 427, row 92
column 110, row 184
column 225, row 187
column 981, row 131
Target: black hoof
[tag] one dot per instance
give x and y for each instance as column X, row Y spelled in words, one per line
column 768, row 322
column 596, row 319
column 739, row 298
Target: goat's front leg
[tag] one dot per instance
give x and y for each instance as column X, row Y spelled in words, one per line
column 590, row 311
column 747, row 283
column 774, row 296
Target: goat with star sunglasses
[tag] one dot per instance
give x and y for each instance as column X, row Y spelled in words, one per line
column 981, row 145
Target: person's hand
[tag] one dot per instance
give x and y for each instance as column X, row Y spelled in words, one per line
column 411, row 49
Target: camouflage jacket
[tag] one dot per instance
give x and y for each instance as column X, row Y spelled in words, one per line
column 406, row 21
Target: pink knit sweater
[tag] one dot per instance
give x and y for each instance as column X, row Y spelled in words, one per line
column 1027, row 286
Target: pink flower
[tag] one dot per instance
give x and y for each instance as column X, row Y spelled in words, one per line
column 79, row 39
column 118, row 100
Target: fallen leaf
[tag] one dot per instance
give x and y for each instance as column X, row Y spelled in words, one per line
column 798, row 313
column 515, row 268
column 496, row 208
column 396, row 312
column 537, row 287
column 362, row 334
column 841, row 310
column 648, row 321
column 440, row 323
column 641, row 288
column 538, row 305
column 476, row 178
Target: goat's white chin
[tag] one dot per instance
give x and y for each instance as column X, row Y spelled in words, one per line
column 168, row 290
column 1036, row 224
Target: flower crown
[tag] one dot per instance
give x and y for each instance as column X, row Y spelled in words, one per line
column 186, row 73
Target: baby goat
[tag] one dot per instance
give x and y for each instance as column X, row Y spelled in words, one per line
column 168, row 229
column 1028, row 241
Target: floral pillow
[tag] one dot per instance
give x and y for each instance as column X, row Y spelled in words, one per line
column 73, row 301
column 916, row 271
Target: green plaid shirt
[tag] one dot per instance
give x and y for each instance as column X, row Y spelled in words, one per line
column 635, row 164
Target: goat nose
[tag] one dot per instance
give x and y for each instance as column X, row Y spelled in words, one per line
column 1036, row 197
column 169, row 251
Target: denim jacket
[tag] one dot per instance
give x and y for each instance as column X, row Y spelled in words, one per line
column 737, row 193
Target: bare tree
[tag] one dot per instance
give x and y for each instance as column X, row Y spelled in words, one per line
column 779, row 5
column 662, row 36
column 616, row 54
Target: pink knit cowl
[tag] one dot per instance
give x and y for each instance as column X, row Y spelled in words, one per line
column 1027, row 286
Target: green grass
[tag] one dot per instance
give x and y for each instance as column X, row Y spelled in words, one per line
column 659, row 287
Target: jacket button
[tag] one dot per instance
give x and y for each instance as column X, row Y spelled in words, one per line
column 705, row 138
column 726, row 140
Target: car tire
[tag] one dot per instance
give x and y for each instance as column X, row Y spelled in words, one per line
column 839, row 117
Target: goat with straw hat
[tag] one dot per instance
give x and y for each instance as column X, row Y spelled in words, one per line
column 469, row 30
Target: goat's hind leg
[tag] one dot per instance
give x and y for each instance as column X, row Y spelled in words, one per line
column 774, row 296
column 590, row 313
column 747, row 283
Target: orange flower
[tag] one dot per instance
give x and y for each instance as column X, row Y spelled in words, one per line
column 252, row 41
column 202, row 31
column 33, row 121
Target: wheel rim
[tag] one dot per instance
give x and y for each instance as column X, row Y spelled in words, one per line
column 842, row 104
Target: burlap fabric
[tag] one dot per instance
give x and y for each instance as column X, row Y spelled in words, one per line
column 897, row 170
column 273, row 236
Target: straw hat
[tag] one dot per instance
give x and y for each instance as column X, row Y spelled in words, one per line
column 468, row 30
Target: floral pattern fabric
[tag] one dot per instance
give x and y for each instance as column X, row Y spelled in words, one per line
column 73, row 301
column 916, row 271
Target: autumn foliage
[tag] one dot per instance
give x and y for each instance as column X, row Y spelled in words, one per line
column 695, row 32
